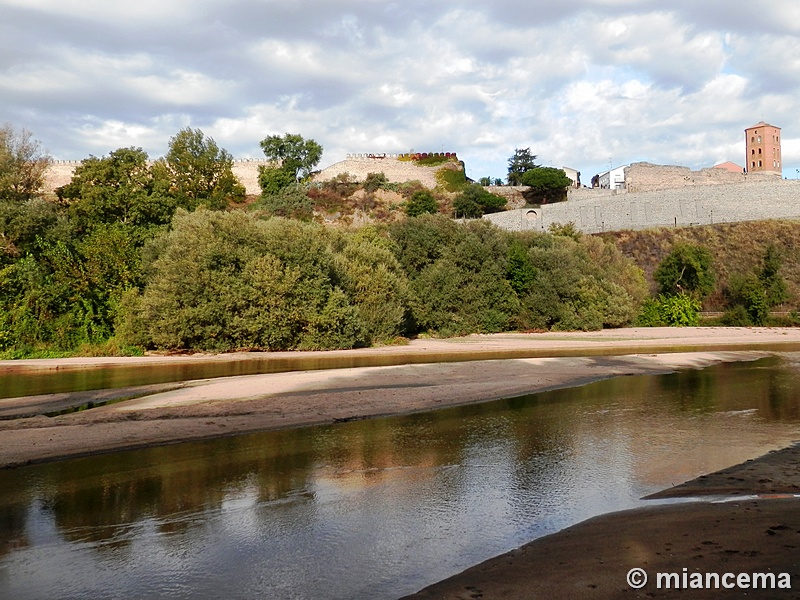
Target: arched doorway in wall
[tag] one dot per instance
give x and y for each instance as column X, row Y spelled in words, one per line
column 530, row 219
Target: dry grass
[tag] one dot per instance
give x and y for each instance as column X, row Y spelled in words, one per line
column 736, row 248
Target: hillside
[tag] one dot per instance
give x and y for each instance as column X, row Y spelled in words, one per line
column 736, row 248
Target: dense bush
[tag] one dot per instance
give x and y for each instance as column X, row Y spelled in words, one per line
column 678, row 310
column 686, row 269
column 226, row 280
column 580, row 283
column 421, row 202
column 475, row 201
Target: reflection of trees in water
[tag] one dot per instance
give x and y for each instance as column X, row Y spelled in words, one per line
column 13, row 519
column 527, row 442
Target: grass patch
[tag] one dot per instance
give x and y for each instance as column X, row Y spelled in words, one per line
column 452, row 180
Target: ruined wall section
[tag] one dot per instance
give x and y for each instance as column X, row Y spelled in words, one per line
column 58, row 174
column 246, row 171
column 646, row 177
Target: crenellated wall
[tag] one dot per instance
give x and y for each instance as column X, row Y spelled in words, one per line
column 246, row 170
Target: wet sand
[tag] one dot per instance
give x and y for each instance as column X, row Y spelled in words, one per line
column 588, row 560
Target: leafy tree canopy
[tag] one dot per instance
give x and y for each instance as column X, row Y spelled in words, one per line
column 546, row 178
column 22, row 165
column 295, row 155
column 421, row 202
column 117, row 188
column 197, row 172
column 476, row 201
column 686, row 270
column 521, row 162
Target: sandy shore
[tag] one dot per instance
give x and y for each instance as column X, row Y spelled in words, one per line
column 208, row 408
column 589, row 560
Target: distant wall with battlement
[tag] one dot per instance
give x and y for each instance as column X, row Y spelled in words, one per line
column 246, row 170
column 398, row 168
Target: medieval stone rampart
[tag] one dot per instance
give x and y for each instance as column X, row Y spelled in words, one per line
column 766, row 197
column 646, row 177
column 397, row 170
column 246, row 170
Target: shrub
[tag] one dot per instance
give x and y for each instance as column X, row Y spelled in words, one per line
column 680, row 310
column 226, row 280
column 686, row 270
column 291, row 202
column 421, row 202
column 374, row 182
column 475, row 201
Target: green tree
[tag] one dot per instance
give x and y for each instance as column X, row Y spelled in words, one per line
column 197, row 172
column 22, row 165
column 521, row 162
column 686, row 269
column 421, row 202
column 118, row 188
column 293, row 154
column 547, row 184
column 775, row 289
column 476, row 201
column 225, row 280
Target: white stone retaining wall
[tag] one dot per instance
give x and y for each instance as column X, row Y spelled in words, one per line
column 770, row 198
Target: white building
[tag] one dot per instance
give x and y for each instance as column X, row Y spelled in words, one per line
column 611, row 180
column 574, row 176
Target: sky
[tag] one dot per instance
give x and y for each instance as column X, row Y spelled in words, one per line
column 585, row 84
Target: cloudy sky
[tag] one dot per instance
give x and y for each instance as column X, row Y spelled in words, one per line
column 583, row 83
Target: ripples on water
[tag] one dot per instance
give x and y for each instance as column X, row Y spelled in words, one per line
column 377, row 508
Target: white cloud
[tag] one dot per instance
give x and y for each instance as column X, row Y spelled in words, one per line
column 579, row 81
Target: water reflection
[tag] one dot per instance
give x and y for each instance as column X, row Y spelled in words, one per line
column 382, row 507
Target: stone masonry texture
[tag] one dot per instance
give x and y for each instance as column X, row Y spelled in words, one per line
column 752, row 200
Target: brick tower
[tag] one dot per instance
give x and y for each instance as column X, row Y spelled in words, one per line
column 763, row 148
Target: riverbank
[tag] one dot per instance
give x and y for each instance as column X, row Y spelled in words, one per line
column 587, row 560
column 592, row 559
column 211, row 408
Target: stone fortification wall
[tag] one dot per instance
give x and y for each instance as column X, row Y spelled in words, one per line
column 246, row 170
column 59, row 173
column 359, row 166
column 645, row 177
column 512, row 194
column 756, row 199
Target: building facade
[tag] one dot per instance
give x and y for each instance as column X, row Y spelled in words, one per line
column 763, row 149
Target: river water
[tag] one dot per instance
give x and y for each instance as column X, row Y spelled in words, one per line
column 379, row 508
